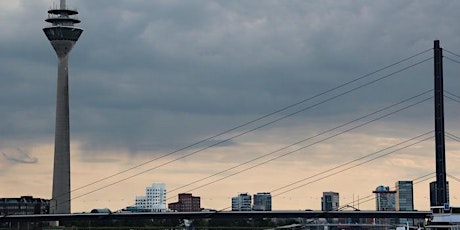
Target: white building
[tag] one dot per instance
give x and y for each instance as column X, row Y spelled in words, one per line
column 242, row 202
column 154, row 199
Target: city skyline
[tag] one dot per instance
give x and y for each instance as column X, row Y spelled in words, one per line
column 149, row 78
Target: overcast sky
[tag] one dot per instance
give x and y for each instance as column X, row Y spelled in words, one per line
column 151, row 77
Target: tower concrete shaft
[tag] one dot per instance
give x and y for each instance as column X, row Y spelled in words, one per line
column 62, row 36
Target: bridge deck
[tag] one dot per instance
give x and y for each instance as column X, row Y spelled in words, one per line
column 217, row 214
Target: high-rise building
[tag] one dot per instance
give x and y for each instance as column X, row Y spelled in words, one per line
column 330, row 201
column 186, row 203
column 62, row 35
column 433, row 193
column 262, row 202
column 154, row 199
column 242, row 202
column 404, row 200
column 384, row 198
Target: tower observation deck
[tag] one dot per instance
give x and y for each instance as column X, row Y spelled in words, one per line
column 62, row 35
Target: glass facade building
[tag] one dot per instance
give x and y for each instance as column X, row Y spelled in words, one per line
column 404, row 196
column 404, row 199
column 262, row 201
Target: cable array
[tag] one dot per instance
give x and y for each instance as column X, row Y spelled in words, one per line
column 452, row 96
column 304, row 147
column 450, row 52
column 330, row 174
column 266, row 116
column 417, row 180
column 261, row 126
column 452, row 59
column 303, row 140
column 453, row 177
column 266, row 124
column 453, row 137
column 372, row 197
column 358, row 164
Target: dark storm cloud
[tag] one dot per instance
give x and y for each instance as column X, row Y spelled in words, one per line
column 156, row 75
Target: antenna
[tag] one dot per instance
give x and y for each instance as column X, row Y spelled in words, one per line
column 62, row 4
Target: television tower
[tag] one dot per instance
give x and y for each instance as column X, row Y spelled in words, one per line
column 62, row 35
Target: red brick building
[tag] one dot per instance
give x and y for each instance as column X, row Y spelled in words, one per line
column 186, row 203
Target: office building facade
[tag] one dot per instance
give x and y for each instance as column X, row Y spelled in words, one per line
column 242, row 202
column 154, row 199
column 24, row 205
column 384, row 198
column 330, row 201
column 262, row 202
column 404, row 200
column 186, row 203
